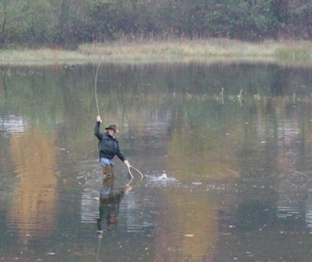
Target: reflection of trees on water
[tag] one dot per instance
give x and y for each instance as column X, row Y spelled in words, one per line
column 173, row 117
column 282, row 147
column 187, row 228
column 273, row 200
column 33, row 206
column 13, row 124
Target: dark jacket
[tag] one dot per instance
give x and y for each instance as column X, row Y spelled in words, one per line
column 108, row 145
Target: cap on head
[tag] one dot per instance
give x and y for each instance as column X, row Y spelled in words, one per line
column 112, row 127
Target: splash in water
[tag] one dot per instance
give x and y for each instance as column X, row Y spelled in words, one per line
column 161, row 179
column 163, row 176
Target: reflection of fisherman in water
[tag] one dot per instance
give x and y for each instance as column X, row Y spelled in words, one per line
column 109, row 204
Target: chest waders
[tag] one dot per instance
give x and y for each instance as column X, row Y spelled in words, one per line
column 108, row 171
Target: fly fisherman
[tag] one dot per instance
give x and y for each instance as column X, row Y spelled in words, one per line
column 108, row 148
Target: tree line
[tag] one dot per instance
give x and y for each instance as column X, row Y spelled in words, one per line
column 70, row 22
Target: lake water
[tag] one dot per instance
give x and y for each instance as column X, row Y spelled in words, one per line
column 225, row 150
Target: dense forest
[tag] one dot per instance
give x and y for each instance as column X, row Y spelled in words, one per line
column 66, row 23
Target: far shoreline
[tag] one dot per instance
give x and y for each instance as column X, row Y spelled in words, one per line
column 148, row 51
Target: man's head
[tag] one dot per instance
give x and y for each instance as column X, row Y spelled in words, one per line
column 112, row 128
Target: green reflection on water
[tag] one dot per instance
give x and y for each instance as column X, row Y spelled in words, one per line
column 240, row 131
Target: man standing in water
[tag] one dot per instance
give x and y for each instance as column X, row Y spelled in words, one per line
column 108, row 148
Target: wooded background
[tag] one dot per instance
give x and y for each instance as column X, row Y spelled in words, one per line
column 67, row 23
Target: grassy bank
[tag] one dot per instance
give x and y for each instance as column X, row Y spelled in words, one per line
column 174, row 50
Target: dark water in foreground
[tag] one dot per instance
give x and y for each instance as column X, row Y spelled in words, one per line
column 234, row 143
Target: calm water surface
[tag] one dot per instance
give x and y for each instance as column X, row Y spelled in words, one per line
column 225, row 150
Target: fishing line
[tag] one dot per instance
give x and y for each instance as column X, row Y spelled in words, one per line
column 135, row 169
column 95, row 86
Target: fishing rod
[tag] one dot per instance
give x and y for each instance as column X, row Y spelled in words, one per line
column 98, row 249
column 95, row 86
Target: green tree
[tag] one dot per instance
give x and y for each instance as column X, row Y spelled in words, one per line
column 26, row 22
column 301, row 19
column 35, row 23
column 3, row 21
column 67, row 23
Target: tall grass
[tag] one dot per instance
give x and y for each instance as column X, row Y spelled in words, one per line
column 295, row 51
column 151, row 50
column 181, row 48
column 39, row 56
